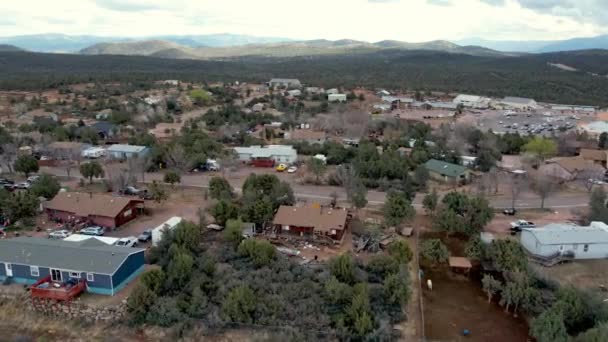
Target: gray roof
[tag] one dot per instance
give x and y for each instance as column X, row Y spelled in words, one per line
column 520, row 100
column 126, row 148
column 285, row 80
column 85, row 256
column 569, row 233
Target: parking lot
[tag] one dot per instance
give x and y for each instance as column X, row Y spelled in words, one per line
column 536, row 123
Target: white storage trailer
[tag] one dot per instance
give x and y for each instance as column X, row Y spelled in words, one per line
column 170, row 224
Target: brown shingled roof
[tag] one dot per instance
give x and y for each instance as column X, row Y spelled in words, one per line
column 307, row 134
column 66, row 145
column 594, row 155
column 84, row 204
column 573, row 164
column 321, row 219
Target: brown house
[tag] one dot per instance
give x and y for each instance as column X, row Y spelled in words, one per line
column 596, row 156
column 569, row 168
column 98, row 209
column 307, row 135
column 310, row 222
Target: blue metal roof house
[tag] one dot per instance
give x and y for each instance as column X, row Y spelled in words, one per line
column 106, row 269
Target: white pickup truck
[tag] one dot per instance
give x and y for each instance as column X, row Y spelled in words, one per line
column 518, row 225
column 130, row 241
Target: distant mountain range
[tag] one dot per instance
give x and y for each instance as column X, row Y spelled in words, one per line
column 540, row 46
column 67, row 43
column 9, row 48
column 230, row 45
column 166, row 49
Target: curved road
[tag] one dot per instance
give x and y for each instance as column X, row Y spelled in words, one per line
column 323, row 193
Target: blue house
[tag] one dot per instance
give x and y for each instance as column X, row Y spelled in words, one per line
column 106, row 269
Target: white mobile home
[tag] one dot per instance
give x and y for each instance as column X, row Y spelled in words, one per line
column 94, row 152
column 336, row 97
column 119, row 151
column 583, row 242
column 170, row 224
column 279, row 153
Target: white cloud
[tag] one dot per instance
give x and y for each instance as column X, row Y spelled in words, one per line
column 371, row 20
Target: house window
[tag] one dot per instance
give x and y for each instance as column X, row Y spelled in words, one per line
column 90, row 277
column 586, row 248
column 34, row 271
column 74, row 275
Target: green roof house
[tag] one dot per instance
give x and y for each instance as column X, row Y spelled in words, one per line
column 448, row 172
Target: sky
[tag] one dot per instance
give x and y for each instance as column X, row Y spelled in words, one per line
column 369, row 20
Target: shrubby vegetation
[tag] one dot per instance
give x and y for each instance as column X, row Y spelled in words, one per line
column 221, row 286
column 528, row 76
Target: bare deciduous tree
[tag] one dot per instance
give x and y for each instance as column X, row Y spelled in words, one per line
column 177, row 158
column 516, row 183
column 589, row 177
column 543, row 186
column 9, row 154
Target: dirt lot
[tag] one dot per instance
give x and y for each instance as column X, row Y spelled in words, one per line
column 457, row 302
column 500, row 224
column 583, row 274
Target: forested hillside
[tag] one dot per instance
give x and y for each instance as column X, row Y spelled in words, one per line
column 528, row 75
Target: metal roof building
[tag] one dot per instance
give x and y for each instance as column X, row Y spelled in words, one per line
column 279, row 153
column 447, row 172
column 107, row 269
column 584, row 242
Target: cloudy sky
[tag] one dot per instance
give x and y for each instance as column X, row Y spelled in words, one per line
column 370, row 20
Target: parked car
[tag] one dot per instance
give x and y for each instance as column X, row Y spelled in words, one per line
column 292, row 169
column 130, row 241
column 510, row 212
column 518, row 225
column 8, row 187
column 59, row 234
column 145, row 236
column 22, row 185
column 130, row 191
column 281, row 167
column 6, row 181
column 33, row 178
column 133, row 191
column 95, row 230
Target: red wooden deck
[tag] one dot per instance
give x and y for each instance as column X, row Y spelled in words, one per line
column 62, row 293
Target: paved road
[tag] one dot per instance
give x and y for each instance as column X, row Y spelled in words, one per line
column 375, row 198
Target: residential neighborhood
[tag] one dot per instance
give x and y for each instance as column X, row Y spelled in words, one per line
column 216, row 191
